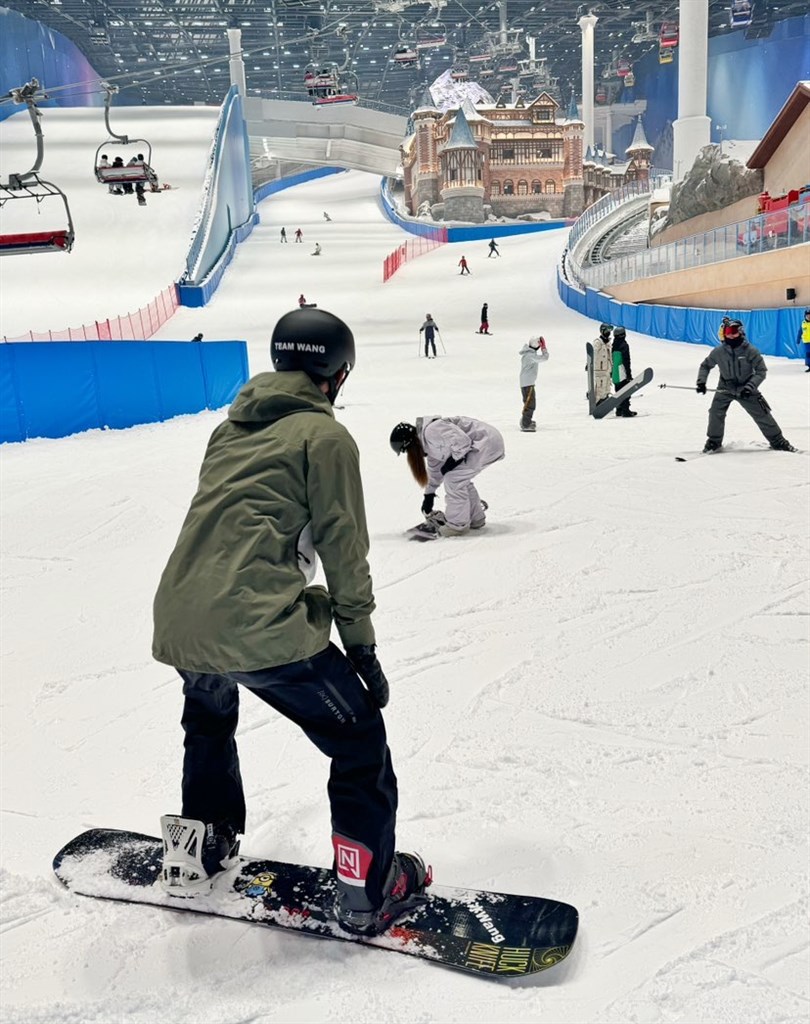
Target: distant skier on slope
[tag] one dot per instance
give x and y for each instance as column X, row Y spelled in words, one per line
column 531, row 355
column 449, row 450
column 602, row 364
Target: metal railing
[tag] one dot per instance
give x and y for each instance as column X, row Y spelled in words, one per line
column 768, row 231
column 602, row 207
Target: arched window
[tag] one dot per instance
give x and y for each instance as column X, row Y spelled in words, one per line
column 523, row 188
column 551, row 186
column 495, row 188
column 509, row 187
column 537, row 187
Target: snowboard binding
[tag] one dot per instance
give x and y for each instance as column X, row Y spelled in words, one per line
column 194, row 853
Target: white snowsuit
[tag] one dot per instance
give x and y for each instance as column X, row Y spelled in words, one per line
column 602, row 367
column 530, row 358
column 458, row 437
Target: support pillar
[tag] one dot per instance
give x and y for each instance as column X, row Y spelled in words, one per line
column 236, row 66
column 607, row 141
column 586, row 24
column 692, row 130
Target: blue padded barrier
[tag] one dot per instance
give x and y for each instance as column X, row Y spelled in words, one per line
column 772, row 331
column 53, row 389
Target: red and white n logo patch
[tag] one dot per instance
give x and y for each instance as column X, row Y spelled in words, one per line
column 352, row 860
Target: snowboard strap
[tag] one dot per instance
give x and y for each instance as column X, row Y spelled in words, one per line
column 183, row 873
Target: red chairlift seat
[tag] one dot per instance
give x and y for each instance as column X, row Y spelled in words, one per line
column 60, row 240
column 669, row 34
column 341, row 97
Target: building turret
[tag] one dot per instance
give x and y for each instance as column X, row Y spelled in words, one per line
column 573, row 131
column 462, row 174
column 640, row 153
column 424, row 164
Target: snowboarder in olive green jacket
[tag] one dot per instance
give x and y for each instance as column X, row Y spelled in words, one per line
column 280, row 488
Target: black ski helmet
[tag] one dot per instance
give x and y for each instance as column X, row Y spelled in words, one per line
column 316, row 343
column 402, row 437
column 619, row 332
column 605, row 328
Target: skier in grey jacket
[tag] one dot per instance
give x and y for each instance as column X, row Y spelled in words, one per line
column 450, row 450
column 280, row 487
column 531, row 356
column 742, row 370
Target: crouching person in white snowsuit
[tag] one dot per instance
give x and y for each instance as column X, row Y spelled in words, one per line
column 450, row 450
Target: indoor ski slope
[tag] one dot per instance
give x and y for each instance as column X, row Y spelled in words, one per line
column 602, row 697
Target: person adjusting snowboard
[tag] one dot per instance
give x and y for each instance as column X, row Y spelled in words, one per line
column 621, row 372
column 449, row 451
column 531, row 355
column 280, row 487
column 742, row 370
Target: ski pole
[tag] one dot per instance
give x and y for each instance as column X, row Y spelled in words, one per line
column 419, row 344
column 441, row 342
column 683, row 387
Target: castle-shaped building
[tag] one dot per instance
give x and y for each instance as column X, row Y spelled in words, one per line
column 506, row 159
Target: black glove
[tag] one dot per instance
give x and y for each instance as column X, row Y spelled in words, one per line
column 427, row 504
column 701, row 388
column 747, row 391
column 451, row 464
column 364, row 662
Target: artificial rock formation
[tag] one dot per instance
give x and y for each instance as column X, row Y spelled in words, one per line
column 714, row 182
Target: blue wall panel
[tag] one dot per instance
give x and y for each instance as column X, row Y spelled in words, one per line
column 30, row 50
column 772, row 331
column 52, row 389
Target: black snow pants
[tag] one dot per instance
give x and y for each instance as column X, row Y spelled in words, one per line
column 429, row 343
column 324, row 696
column 756, row 407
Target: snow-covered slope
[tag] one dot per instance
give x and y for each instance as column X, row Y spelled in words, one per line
column 602, row 697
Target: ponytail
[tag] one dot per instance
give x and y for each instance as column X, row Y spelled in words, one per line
column 416, row 461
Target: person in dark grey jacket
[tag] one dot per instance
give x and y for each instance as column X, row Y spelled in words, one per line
column 742, row 370
column 279, row 488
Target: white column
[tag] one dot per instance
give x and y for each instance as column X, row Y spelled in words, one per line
column 236, row 65
column 692, row 130
column 586, row 24
column 608, row 140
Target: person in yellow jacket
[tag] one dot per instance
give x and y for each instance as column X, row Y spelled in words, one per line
column 803, row 337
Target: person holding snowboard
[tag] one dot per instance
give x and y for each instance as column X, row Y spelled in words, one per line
column 742, row 370
column 531, row 355
column 621, row 372
column 449, row 450
column 280, row 487
column 429, row 327
column 602, row 364
column 484, row 328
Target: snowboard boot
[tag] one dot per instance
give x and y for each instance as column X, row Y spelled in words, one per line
column 403, row 892
column 712, row 446
column 781, row 444
column 194, row 853
column 528, row 428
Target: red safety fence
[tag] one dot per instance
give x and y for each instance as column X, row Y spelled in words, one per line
column 129, row 327
column 411, row 249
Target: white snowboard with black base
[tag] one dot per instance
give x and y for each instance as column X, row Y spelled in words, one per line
column 607, row 405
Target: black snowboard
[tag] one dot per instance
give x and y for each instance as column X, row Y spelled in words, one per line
column 473, row 930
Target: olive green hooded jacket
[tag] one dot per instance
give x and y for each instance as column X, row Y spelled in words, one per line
column 233, row 596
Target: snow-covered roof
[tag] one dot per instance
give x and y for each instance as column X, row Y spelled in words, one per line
column 639, row 139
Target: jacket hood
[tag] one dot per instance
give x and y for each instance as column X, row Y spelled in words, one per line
column 269, row 397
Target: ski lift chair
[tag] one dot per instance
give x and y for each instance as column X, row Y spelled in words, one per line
column 623, row 67
column 29, row 186
column 741, row 13
column 140, row 172
column 665, row 56
column 431, row 37
column 669, row 34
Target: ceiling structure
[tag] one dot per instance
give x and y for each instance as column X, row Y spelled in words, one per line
column 176, row 51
